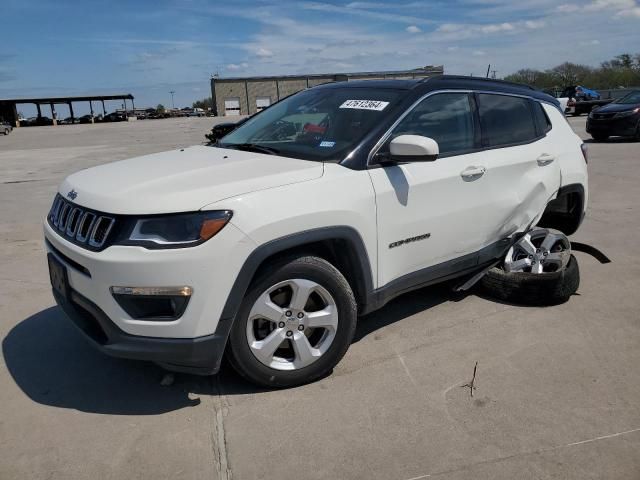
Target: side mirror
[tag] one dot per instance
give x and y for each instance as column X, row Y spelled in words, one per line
column 413, row 148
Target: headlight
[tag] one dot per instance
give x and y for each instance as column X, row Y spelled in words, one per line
column 176, row 230
column 627, row 113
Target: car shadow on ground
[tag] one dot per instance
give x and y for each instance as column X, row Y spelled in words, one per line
column 54, row 365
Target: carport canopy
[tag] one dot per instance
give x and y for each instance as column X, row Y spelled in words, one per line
column 9, row 111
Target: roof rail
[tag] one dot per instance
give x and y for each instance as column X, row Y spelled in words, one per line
column 481, row 79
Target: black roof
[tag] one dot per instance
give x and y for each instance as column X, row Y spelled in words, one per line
column 455, row 82
column 388, row 83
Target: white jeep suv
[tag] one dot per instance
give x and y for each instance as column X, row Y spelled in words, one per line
column 268, row 245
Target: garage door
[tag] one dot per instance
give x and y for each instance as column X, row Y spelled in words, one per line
column 262, row 102
column 232, row 106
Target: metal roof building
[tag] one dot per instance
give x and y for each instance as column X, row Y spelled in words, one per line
column 248, row 95
column 8, row 106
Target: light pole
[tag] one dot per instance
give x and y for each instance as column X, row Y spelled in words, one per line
column 172, row 105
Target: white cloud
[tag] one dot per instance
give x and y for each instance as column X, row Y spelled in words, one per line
column 498, row 27
column 449, row 27
column 611, row 4
column 628, row 12
column 467, row 30
column 302, row 38
column 534, row 24
column 234, row 67
column 620, row 8
column 567, row 8
column 264, row 52
column 413, row 29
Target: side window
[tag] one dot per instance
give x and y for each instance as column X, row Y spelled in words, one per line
column 505, row 120
column 544, row 124
column 445, row 117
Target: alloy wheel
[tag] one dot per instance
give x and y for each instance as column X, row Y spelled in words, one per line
column 539, row 251
column 292, row 324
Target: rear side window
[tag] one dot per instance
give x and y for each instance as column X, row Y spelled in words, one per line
column 445, row 117
column 544, row 124
column 505, row 120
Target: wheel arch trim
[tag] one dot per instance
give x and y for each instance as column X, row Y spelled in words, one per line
column 363, row 274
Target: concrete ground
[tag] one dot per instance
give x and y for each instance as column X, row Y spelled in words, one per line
column 557, row 394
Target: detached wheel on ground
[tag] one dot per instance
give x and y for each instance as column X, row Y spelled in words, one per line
column 538, row 270
column 295, row 323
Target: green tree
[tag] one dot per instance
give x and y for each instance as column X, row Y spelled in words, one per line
column 205, row 103
column 160, row 108
column 620, row 71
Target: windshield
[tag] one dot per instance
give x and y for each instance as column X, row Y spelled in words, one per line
column 316, row 124
column 633, row 97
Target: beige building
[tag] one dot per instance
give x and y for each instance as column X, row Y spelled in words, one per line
column 248, row 95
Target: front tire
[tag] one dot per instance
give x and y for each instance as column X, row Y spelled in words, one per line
column 599, row 137
column 294, row 325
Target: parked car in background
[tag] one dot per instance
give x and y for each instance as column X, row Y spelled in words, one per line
column 268, row 246
column 86, row 119
column 579, row 100
column 36, row 121
column 221, row 129
column 619, row 118
column 115, row 117
column 5, row 127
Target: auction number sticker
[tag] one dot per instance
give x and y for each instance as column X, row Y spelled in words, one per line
column 365, row 104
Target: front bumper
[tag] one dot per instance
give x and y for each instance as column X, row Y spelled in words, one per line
column 195, row 341
column 624, row 127
column 200, row 355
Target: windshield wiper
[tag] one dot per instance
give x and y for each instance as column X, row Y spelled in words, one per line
column 252, row 147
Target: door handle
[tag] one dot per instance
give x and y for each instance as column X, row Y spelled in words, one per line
column 472, row 173
column 545, row 159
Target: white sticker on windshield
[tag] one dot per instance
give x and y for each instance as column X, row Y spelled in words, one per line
column 365, row 104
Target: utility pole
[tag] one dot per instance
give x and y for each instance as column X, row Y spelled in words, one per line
column 488, row 68
column 172, row 104
column 493, row 74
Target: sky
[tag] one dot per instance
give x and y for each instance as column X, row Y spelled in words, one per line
column 151, row 47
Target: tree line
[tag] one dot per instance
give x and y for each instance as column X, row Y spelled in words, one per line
column 622, row 71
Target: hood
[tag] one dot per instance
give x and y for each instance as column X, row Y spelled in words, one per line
column 617, row 107
column 183, row 180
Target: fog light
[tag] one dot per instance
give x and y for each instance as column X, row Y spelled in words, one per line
column 153, row 303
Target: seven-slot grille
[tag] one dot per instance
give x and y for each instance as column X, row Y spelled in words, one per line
column 79, row 225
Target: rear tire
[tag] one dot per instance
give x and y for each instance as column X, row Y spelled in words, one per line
column 293, row 341
column 599, row 137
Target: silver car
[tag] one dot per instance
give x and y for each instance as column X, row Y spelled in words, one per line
column 5, row 127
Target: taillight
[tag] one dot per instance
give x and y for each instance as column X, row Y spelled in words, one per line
column 583, row 147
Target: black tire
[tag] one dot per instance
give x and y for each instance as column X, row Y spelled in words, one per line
column 541, row 289
column 312, row 268
column 599, row 137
